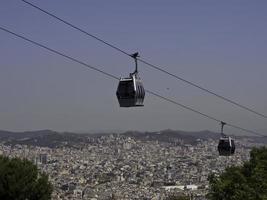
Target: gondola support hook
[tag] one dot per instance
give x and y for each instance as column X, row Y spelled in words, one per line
column 222, row 125
column 135, row 56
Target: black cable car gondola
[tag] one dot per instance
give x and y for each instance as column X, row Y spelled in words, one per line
column 130, row 91
column 226, row 146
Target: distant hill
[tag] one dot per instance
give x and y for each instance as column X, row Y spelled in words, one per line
column 49, row 138
column 46, row 138
column 4, row 135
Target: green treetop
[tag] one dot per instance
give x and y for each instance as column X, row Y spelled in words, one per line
column 247, row 182
column 20, row 180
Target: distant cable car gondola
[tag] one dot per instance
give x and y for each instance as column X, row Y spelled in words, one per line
column 226, row 146
column 130, row 91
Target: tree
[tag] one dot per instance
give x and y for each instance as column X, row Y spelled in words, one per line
column 245, row 182
column 20, row 180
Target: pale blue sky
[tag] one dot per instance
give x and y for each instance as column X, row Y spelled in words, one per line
column 220, row 45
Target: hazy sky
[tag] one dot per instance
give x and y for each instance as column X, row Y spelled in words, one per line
column 220, row 45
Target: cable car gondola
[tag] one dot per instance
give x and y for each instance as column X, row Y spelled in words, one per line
column 130, row 91
column 226, row 146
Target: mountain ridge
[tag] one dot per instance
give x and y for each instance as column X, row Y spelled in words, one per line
column 52, row 138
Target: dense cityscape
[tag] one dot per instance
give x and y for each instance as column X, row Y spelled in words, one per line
column 115, row 166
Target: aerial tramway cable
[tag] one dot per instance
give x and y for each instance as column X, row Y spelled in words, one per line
column 156, row 67
column 116, row 78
